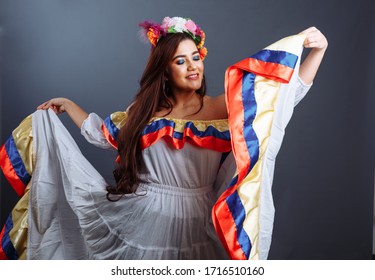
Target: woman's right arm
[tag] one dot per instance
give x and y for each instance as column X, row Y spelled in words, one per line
column 90, row 125
column 60, row 105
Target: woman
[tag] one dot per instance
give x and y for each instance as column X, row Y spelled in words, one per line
column 170, row 142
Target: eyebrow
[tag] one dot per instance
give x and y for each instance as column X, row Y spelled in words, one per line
column 183, row 55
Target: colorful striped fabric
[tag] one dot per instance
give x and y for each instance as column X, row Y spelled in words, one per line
column 13, row 236
column 16, row 161
column 251, row 94
column 7, row 250
column 207, row 134
column 13, row 157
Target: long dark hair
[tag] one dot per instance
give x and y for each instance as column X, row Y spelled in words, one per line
column 154, row 94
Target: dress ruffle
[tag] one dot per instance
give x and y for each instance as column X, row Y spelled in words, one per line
column 213, row 134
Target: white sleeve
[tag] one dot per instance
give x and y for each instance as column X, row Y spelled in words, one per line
column 91, row 129
column 288, row 97
column 300, row 89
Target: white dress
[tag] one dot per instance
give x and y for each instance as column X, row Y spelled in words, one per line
column 169, row 216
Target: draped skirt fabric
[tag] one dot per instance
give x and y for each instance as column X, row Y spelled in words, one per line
column 71, row 218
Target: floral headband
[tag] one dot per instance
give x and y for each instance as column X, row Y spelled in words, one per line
column 154, row 31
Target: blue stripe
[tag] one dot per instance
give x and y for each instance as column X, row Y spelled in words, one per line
column 210, row 131
column 16, row 161
column 280, row 57
column 238, row 213
column 112, row 128
column 178, row 135
column 250, row 110
column 157, row 125
column 233, row 181
column 6, row 243
column 233, row 201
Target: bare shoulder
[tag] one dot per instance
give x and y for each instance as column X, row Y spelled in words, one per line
column 216, row 107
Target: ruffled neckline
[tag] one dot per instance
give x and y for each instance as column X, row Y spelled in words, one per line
column 211, row 134
column 177, row 120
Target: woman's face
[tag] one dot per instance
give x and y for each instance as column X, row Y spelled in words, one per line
column 185, row 70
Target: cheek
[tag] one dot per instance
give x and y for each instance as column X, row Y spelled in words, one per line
column 175, row 74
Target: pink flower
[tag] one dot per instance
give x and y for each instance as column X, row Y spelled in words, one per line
column 166, row 23
column 190, row 25
column 198, row 30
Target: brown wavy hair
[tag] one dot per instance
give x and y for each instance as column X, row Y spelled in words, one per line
column 154, row 95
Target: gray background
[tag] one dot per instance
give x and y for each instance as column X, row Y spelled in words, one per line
column 89, row 51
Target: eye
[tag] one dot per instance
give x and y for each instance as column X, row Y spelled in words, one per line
column 196, row 57
column 180, row 61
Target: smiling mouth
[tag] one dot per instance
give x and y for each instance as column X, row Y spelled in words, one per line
column 192, row 77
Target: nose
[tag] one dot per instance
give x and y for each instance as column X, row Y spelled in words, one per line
column 192, row 66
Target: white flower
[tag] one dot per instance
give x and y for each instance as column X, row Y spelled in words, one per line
column 178, row 24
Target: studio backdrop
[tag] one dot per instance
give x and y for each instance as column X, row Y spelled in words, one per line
column 89, row 51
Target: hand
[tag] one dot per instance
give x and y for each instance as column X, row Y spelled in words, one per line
column 58, row 105
column 315, row 39
column 318, row 43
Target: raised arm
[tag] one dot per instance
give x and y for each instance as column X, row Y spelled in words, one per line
column 318, row 44
column 60, row 105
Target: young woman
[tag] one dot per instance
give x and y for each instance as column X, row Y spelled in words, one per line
column 170, row 141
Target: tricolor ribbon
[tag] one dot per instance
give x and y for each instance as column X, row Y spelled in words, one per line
column 251, row 88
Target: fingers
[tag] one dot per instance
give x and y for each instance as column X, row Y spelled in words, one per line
column 314, row 39
column 55, row 104
column 46, row 105
column 43, row 106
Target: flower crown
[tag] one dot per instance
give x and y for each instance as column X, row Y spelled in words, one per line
column 154, row 31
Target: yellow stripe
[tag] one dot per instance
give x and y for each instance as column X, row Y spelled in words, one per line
column 23, row 139
column 266, row 93
column 119, row 119
column 249, row 191
column 202, row 125
column 292, row 44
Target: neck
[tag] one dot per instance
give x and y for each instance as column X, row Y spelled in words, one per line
column 185, row 99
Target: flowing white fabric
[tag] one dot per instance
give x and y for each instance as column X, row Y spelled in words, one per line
column 168, row 218
column 289, row 96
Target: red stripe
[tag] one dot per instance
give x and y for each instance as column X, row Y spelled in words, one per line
column 270, row 70
column 148, row 139
column 236, row 119
column 10, row 173
column 209, row 142
column 108, row 136
column 3, row 256
column 222, row 217
column 226, row 229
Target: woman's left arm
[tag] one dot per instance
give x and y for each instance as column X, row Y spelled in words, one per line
column 318, row 44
